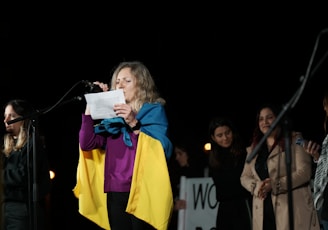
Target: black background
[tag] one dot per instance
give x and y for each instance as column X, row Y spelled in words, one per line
column 206, row 61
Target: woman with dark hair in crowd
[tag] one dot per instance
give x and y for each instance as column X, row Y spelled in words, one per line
column 265, row 177
column 188, row 162
column 226, row 161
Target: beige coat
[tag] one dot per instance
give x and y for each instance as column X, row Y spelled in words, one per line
column 304, row 213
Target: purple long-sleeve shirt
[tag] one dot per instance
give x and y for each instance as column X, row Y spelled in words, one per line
column 119, row 159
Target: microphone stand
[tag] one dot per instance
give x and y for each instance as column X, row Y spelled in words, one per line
column 32, row 117
column 291, row 104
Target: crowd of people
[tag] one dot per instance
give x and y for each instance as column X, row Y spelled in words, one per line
column 129, row 171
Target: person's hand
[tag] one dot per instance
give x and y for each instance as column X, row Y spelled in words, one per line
column 265, row 188
column 102, row 85
column 179, row 204
column 125, row 111
column 313, row 149
column 87, row 110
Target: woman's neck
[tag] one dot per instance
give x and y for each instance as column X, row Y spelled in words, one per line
column 270, row 141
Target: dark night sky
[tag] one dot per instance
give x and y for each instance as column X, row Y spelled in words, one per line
column 205, row 62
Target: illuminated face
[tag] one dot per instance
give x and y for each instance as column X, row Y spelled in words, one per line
column 223, row 136
column 266, row 119
column 181, row 157
column 9, row 115
column 126, row 81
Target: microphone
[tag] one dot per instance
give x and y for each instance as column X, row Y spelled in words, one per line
column 43, row 111
column 91, row 88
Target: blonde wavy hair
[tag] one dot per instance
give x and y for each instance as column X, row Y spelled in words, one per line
column 146, row 88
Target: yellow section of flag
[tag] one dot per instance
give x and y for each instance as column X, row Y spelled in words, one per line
column 89, row 188
column 151, row 196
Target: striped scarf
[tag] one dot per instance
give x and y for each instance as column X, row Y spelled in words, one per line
column 321, row 175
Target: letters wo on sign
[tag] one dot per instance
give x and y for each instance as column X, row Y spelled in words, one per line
column 201, row 204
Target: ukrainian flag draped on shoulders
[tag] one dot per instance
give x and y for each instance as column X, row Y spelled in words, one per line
column 151, row 196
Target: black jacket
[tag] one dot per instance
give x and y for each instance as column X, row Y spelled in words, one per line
column 19, row 179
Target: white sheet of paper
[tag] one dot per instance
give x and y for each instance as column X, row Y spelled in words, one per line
column 101, row 104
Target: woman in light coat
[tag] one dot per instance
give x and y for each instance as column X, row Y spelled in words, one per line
column 265, row 176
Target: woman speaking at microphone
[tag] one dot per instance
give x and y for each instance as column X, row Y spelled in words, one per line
column 136, row 147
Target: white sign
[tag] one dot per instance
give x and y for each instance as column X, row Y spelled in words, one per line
column 201, row 205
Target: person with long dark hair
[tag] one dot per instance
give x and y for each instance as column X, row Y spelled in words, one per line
column 226, row 161
column 188, row 161
column 22, row 209
column 266, row 178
